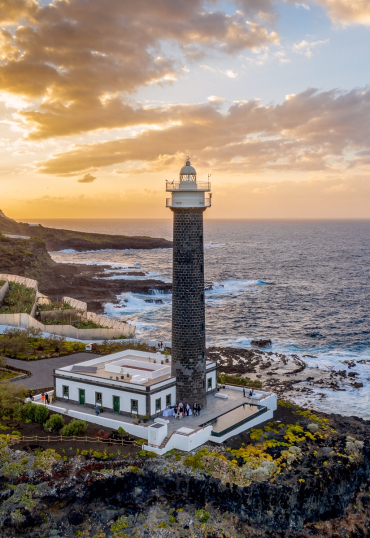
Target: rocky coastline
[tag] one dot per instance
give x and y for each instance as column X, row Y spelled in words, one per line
column 29, row 257
column 322, row 489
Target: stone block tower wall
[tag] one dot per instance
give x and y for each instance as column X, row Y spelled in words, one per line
column 188, row 309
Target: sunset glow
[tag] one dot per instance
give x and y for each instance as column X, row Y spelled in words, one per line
column 100, row 102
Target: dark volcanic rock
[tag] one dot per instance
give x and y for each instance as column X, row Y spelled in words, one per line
column 30, row 258
column 261, row 343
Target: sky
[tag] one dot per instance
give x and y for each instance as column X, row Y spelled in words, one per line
column 102, row 101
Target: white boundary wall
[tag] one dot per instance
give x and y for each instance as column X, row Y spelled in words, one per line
column 75, row 303
column 260, row 397
column 134, row 429
column 28, row 282
column 3, row 290
column 246, row 426
column 26, row 321
column 184, row 442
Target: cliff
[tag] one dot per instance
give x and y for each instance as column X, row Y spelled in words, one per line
column 56, row 239
column 29, row 258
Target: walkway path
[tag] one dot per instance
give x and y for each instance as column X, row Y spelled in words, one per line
column 42, row 370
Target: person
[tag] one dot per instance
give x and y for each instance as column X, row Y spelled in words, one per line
column 198, row 409
column 97, row 410
column 43, row 397
column 31, row 396
column 187, row 409
column 47, row 398
column 175, row 410
column 251, row 393
column 244, row 392
column 195, row 410
column 161, row 345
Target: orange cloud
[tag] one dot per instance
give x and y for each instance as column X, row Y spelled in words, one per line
column 78, row 57
column 348, row 11
column 310, row 131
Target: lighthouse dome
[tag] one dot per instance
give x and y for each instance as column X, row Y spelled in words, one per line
column 187, row 170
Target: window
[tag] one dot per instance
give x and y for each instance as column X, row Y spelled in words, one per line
column 158, row 404
column 209, row 383
column 98, row 398
column 65, row 391
column 134, row 406
column 168, row 400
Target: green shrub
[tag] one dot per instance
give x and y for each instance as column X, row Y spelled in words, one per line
column 202, row 515
column 54, row 424
column 19, row 299
column 41, row 414
column 75, row 427
column 29, row 410
column 236, row 380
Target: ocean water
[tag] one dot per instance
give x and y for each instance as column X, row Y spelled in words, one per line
column 304, row 284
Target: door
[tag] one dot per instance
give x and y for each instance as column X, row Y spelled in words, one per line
column 82, row 396
column 116, row 404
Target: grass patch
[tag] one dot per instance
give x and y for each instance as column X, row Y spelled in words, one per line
column 241, row 381
column 4, row 375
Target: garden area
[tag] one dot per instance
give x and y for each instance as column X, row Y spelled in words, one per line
column 31, row 427
column 29, row 345
column 230, row 379
column 19, row 299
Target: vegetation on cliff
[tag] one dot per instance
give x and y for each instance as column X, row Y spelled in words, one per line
column 58, row 239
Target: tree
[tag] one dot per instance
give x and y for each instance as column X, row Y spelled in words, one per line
column 10, row 396
column 16, row 341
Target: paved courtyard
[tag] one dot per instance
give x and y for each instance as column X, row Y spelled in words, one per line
column 215, row 407
column 42, row 370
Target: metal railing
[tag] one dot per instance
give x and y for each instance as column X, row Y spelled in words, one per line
column 188, row 203
column 187, row 185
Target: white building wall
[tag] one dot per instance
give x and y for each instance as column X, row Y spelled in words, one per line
column 162, row 395
column 107, row 395
column 213, row 376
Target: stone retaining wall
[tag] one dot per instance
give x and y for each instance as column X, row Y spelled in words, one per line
column 26, row 321
column 3, row 290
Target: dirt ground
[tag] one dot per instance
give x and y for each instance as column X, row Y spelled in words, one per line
column 69, row 447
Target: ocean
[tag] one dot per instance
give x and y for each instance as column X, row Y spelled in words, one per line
column 303, row 284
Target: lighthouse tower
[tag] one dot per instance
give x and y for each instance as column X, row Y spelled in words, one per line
column 188, row 202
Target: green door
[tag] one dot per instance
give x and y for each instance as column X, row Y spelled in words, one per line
column 116, row 404
column 82, row 396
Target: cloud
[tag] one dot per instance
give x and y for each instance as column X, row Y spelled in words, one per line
column 87, row 178
column 73, row 57
column 305, row 47
column 310, row 131
column 11, row 11
column 348, row 11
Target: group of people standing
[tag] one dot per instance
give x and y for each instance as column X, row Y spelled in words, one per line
column 182, row 410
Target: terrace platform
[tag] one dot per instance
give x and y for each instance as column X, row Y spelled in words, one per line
column 222, row 413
